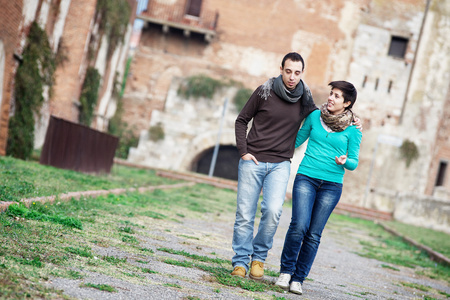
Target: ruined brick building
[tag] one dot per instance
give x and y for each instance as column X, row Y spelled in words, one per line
column 395, row 52
column 72, row 27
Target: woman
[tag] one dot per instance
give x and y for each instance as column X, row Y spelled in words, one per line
column 333, row 147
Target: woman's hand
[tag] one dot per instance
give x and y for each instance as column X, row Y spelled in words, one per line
column 249, row 156
column 357, row 123
column 341, row 159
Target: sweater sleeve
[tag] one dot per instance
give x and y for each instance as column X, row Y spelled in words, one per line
column 304, row 132
column 245, row 116
column 353, row 150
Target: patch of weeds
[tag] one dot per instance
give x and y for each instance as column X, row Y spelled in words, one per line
column 217, row 291
column 101, row 243
column 143, row 249
column 167, row 230
column 189, row 237
column 181, row 215
column 174, row 262
column 84, row 252
column 192, row 298
column 172, row 285
column 101, row 287
column 35, row 262
column 153, row 215
column 147, row 270
column 223, row 276
column 141, row 261
column 194, row 256
column 74, row 274
column 366, row 293
column 444, row 293
column 127, row 230
column 271, row 273
column 390, row 267
column 57, row 259
column 132, row 275
column 416, row 286
column 278, row 298
column 21, row 211
column 129, row 239
column 114, row 260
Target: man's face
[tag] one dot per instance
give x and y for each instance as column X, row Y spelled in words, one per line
column 291, row 73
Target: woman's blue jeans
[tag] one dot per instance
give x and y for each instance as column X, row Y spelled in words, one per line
column 313, row 200
column 272, row 179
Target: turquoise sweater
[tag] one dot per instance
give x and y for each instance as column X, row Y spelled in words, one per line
column 319, row 160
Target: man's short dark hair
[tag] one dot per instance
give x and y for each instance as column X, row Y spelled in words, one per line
column 348, row 91
column 294, row 56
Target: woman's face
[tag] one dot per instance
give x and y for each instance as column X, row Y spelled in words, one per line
column 336, row 104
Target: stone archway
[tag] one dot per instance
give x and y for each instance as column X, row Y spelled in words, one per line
column 226, row 163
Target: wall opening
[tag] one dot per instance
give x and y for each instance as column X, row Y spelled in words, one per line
column 441, row 173
column 193, row 8
column 226, row 163
column 398, row 46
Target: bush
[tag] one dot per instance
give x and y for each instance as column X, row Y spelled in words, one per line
column 241, row 98
column 200, row 86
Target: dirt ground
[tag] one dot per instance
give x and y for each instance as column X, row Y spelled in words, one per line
column 338, row 272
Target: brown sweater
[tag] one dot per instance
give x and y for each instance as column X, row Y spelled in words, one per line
column 274, row 128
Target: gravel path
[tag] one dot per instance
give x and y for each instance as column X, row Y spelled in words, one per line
column 338, row 273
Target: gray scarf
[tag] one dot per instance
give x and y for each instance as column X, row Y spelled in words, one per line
column 277, row 85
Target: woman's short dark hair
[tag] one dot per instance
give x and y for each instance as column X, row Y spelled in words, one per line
column 294, row 56
column 348, row 91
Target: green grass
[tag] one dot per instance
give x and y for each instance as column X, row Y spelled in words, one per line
column 28, row 179
column 101, row 287
column 438, row 241
column 391, row 249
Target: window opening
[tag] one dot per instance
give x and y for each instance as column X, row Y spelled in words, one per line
column 398, row 46
column 390, row 86
column 194, row 7
column 364, row 81
column 441, row 173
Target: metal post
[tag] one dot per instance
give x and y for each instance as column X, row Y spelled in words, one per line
column 370, row 174
column 216, row 147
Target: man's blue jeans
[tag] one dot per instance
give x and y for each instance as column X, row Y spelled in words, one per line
column 313, row 200
column 272, row 178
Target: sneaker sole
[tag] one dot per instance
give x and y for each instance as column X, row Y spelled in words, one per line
column 296, row 292
column 284, row 287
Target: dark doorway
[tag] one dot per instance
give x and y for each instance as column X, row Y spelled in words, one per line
column 226, row 163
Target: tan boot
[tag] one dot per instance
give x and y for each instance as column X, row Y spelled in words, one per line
column 257, row 271
column 239, row 271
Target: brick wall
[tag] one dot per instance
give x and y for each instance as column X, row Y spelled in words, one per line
column 10, row 24
column 69, row 77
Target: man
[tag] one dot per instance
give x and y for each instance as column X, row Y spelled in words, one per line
column 277, row 108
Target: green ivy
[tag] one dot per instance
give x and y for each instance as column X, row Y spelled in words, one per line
column 114, row 17
column 89, row 95
column 156, row 132
column 409, row 151
column 241, row 98
column 200, row 86
column 35, row 72
column 127, row 136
